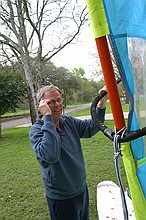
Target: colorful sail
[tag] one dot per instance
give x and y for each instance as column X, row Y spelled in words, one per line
column 125, row 23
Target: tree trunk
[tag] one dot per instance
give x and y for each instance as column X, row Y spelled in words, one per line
column 32, row 108
column 30, row 88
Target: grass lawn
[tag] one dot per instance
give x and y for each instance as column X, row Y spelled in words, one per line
column 87, row 111
column 84, row 112
column 18, row 112
column 22, row 194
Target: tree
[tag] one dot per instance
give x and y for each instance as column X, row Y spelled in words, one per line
column 79, row 72
column 84, row 92
column 39, row 29
column 61, row 77
column 12, row 89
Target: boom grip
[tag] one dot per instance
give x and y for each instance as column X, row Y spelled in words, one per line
column 128, row 136
column 107, row 131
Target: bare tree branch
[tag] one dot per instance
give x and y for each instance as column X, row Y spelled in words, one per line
column 38, row 29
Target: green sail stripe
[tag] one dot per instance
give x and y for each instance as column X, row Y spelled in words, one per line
column 97, row 18
column 141, row 161
column 138, row 200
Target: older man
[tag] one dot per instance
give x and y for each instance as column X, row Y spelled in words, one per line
column 55, row 139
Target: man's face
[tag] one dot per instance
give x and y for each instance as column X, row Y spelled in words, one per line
column 54, row 101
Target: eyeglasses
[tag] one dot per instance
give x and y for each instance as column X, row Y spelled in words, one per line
column 53, row 102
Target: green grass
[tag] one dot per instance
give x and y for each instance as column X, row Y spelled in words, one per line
column 87, row 111
column 22, row 194
column 19, row 112
column 84, row 112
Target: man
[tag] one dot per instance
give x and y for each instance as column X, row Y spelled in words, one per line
column 55, row 139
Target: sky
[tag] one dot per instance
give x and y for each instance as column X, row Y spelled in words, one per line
column 79, row 54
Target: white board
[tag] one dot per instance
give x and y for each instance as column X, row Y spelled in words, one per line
column 109, row 202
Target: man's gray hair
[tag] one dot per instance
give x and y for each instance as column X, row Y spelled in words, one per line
column 50, row 88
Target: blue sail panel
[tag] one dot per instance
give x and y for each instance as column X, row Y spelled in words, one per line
column 127, row 23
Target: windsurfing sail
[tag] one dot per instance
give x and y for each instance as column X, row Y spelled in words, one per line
column 125, row 23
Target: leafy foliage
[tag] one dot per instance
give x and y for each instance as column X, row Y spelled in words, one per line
column 12, row 89
column 75, row 87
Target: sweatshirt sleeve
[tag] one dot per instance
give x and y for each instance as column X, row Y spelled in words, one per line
column 45, row 141
column 87, row 128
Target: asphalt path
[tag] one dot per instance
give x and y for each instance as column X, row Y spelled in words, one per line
column 26, row 120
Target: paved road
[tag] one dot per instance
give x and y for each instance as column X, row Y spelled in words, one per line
column 26, row 120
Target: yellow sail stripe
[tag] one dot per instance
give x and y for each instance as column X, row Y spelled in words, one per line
column 97, row 18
